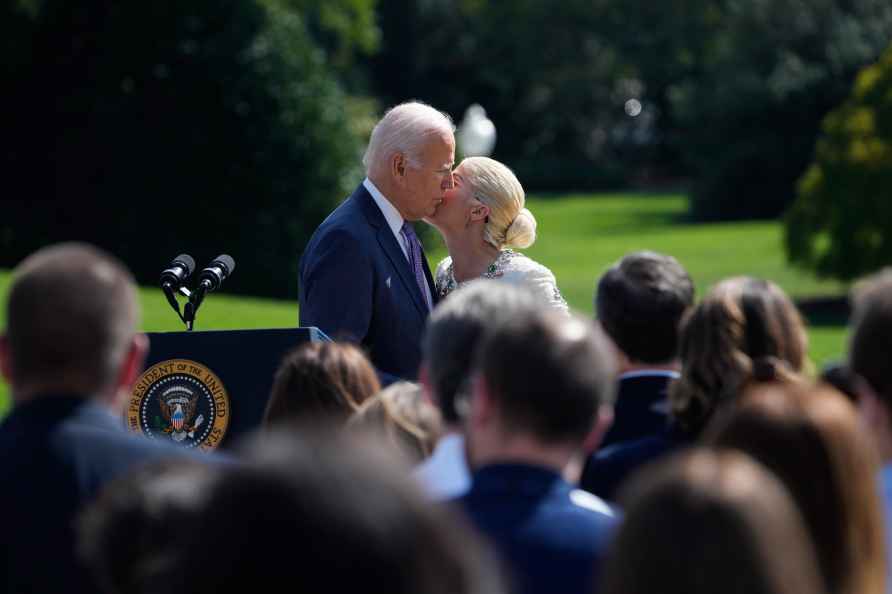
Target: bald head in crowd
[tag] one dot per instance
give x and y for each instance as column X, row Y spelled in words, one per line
column 71, row 325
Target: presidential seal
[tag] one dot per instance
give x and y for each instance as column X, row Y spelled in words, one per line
column 182, row 401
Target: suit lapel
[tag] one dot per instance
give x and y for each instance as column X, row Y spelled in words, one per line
column 393, row 250
column 430, row 278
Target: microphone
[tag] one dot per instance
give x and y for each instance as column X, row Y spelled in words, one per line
column 212, row 277
column 180, row 269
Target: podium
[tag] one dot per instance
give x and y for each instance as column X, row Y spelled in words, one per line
column 206, row 389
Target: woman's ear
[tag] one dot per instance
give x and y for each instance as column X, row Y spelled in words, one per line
column 479, row 212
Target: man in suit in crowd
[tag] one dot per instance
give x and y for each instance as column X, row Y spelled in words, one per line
column 70, row 354
column 542, row 395
column 453, row 331
column 639, row 302
column 363, row 275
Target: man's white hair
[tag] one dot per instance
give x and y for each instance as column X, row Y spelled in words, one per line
column 404, row 129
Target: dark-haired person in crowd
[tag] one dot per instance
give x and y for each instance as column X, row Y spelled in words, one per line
column 363, row 275
column 320, row 381
column 812, row 440
column 453, row 331
column 744, row 330
column 127, row 535
column 706, row 522
column 542, row 397
column 310, row 513
column 403, row 417
column 70, row 353
column 640, row 302
column 870, row 360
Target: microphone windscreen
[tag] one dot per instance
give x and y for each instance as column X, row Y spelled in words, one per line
column 187, row 261
column 226, row 261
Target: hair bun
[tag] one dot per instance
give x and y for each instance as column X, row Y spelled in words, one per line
column 521, row 233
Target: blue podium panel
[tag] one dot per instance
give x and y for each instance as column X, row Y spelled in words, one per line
column 206, row 389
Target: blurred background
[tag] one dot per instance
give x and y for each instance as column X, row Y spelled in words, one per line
column 741, row 136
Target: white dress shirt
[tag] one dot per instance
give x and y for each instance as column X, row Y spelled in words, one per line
column 445, row 474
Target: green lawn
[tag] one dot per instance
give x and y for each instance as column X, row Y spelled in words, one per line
column 579, row 237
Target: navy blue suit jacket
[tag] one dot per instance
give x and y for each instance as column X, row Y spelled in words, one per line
column 356, row 284
column 55, row 454
column 552, row 537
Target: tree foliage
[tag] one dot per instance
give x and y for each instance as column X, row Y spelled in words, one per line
column 162, row 127
column 771, row 71
column 840, row 223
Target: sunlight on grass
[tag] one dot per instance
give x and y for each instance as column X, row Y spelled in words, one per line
column 579, row 237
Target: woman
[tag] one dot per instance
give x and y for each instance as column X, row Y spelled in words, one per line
column 811, row 438
column 706, row 522
column 481, row 218
column 320, row 381
column 403, row 417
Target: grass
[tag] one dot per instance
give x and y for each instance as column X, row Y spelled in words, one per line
column 579, row 237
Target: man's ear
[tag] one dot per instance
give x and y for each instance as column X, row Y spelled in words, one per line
column 398, row 166
column 483, row 405
column 128, row 373
column 424, row 378
column 603, row 421
column 5, row 359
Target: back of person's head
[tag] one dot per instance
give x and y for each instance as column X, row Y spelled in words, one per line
column 548, row 374
column 311, row 513
column 745, row 330
column 871, row 337
column 509, row 223
column 640, row 302
column 811, row 438
column 71, row 317
column 456, row 326
column 403, row 417
column 404, row 129
column 323, row 381
column 126, row 536
column 704, row 522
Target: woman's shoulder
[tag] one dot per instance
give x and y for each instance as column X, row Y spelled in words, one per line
column 525, row 271
column 444, row 265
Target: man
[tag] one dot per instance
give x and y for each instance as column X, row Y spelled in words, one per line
column 363, row 276
column 640, row 301
column 453, row 331
column 870, row 358
column 542, row 395
column 70, row 354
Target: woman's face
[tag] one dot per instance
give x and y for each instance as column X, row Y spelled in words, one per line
column 454, row 211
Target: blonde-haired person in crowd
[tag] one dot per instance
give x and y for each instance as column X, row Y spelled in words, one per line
column 403, row 417
column 482, row 218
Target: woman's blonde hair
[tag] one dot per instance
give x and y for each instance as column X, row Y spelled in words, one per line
column 495, row 185
column 746, row 330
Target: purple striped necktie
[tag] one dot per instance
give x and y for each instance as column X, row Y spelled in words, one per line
column 414, row 250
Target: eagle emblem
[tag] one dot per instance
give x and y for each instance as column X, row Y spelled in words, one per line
column 178, row 405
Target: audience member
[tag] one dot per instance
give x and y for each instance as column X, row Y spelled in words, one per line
column 811, row 439
column 452, row 333
column 403, row 417
column 323, row 514
column 126, row 535
column 324, row 381
column 640, row 302
column 705, row 522
column 745, row 330
column 870, row 360
column 542, row 396
column 70, row 354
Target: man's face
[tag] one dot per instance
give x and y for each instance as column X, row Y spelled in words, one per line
column 427, row 182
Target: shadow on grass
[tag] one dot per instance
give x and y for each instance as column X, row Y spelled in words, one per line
column 825, row 311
